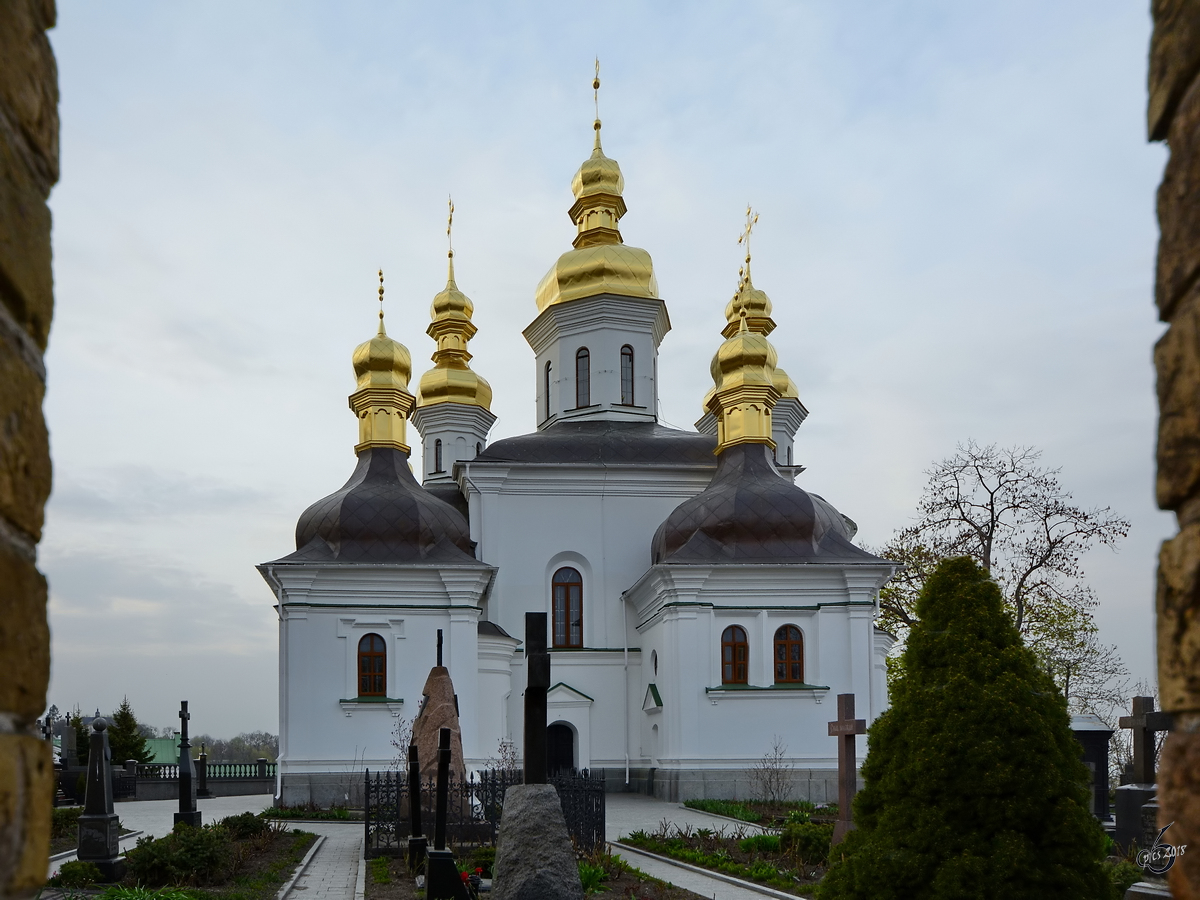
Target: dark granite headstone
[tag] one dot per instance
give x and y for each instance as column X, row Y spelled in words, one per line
column 537, row 668
column 442, row 881
column 1093, row 736
column 99, row 827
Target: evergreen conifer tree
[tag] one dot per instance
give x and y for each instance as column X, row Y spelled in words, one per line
column 125, row 741
column 81, row 737
column 974, row 785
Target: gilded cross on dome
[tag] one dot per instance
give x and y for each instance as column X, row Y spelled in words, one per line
column 450, row 226
column 381, row 299
column 751, row 221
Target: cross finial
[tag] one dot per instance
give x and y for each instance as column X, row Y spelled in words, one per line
column 381, row 331
column 450, row 226
column 751, row 221
column 596, row 93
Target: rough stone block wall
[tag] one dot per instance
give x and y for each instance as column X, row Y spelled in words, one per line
column 28, row 169
column 1174, row 116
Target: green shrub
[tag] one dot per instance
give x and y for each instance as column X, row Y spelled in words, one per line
column 974, row 786
column 1122, row 874
column 245, row 825
column 121, row 892
column 808, row 842
column 760, row 843
column 185, row 856
column 64, row 821
column 76, row 874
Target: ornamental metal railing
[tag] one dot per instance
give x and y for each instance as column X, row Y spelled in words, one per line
column 474, row 809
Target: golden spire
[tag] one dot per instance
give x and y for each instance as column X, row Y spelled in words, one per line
column 452, row 380
column 744, row 367
column 382, row 402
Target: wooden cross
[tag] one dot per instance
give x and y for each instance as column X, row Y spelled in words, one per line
column 1144, row 723
column 844, row 729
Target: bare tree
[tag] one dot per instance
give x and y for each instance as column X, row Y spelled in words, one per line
column 771, row 776
column 998, row 506
column 402, row 733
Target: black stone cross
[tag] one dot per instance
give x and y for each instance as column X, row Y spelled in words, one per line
column 844, row 728
column 188, row 814
column 1144, row 723
column 439, row 652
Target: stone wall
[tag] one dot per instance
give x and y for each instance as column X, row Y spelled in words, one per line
column 1174, row 116
column 28, row 169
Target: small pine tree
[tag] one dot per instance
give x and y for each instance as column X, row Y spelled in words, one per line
column 974, row 785
column 81, row 737
column 125, row 740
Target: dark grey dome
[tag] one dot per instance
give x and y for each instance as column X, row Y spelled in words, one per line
column 749, row 513
column 607, row 443
column 382, row 515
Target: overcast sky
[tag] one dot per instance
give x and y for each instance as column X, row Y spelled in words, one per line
column 957, row 231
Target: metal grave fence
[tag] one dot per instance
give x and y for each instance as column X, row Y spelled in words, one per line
column 473, row 809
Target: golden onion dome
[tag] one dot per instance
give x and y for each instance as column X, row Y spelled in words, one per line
column 747, row 357
column 382, row 362
column 601, row 262
column 452, row 380
column 784, row 384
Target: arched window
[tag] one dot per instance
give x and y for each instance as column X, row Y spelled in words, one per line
column 372, row 666
column 437, row 455
column 627, row 375
column 478, row 447
column 567, row 587
column 789, row 455
column 546, row 388
column 583, row 377
column 735, row 654
column 789, row 655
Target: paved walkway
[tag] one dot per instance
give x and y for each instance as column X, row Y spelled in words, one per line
column 333, row 872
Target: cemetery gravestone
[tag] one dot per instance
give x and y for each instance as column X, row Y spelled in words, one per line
column 99, row 827
column 442, row 881
column 417, row 843
column 534, row 856
column 845, row 729
column 188, row 814
column 1131, row 797
column 1093, row 736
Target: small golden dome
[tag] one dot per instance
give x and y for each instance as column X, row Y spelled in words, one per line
column 452, row 380
column 746, row 356
column 755, row 303
column 382, row 362
column 784, row 384
column 598, row 175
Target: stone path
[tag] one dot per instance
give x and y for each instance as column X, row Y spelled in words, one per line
column 333, row 873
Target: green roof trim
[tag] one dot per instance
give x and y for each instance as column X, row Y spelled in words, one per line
column 373, row 700
column 772, row 687
column 654, row 693
column 563, row 684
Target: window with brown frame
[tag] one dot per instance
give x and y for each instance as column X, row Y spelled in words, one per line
column 627, row 375
column 735, row 655
column 372, row 666
column 583, row 378
column 567, row 590
column 789, row 655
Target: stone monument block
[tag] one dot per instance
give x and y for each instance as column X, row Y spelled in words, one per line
column 99, row 827
column 534, row 856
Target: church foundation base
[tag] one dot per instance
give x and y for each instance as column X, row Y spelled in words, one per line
column 323, row 789
column 678, row 785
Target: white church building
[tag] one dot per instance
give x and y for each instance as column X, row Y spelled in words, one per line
column 700, row 602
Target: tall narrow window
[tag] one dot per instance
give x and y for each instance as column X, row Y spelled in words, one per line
column 479, row 448
column 546, row 389
column 627, row 375
column 437, row 455
column 789, row 456
column 583, row 377
column 567, row 588
column 789, row 655
column 735, row 654
column 372, row 666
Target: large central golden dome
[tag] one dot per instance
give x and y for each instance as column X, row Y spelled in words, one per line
column 601, row 262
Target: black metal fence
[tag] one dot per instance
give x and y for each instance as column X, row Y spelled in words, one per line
column 474, row 809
